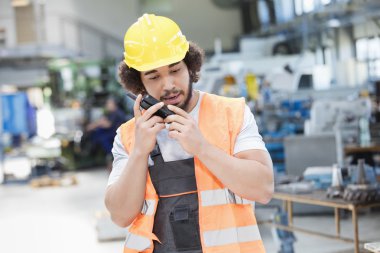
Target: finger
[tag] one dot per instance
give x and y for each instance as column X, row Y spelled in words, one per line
column 174, row 134
column 176, row 127
column 176, row 118
column 154, row 120
column 136, row 106
column 154, row 108
column 158, row 127
column 179, row 111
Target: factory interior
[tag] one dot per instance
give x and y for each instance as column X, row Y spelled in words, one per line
column 309, row 71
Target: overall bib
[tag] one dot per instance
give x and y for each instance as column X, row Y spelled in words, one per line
column 176, row 220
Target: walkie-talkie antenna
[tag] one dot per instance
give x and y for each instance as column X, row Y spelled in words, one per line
column 131, row 95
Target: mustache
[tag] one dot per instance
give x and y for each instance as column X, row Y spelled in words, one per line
column 173, row 92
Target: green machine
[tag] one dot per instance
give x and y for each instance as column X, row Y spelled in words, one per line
column 78, row 92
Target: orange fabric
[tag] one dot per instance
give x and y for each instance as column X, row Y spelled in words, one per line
column 142, row 221
column 221, row 132
column 128, row 140
column 243, row 247
column 214, row 216
column 223, row 129
column 205, row 177
column 143, row 224
column 128, row 250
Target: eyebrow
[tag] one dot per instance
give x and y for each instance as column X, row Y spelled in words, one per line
column 154, row 71
column 173, row 64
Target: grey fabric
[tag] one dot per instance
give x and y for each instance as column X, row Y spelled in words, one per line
column 173, row 177
column 176, row 221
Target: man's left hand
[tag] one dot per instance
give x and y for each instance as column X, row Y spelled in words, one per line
column 184, row 129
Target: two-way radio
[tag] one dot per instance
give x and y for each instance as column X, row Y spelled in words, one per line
column 148, row 101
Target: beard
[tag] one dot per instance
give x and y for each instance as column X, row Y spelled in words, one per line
column 185, row 104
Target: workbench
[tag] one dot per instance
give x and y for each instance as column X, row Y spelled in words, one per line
column 319, row 198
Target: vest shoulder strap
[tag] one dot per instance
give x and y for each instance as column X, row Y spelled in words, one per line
column 128, row 128
column 221, row 119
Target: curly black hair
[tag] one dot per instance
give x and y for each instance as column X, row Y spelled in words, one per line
column 130, row 78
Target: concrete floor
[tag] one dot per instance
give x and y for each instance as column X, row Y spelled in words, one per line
column 62, row 220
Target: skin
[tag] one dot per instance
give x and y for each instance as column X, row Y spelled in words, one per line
column 103, row 122
column 248, row 173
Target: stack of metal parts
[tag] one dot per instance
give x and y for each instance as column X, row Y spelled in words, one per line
column 361, row 190
column 361, row 193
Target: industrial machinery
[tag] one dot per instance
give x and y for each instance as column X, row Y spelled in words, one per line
column 341, row 118
column 79, row 90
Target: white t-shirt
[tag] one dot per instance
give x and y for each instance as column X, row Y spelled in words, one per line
column 171, row 150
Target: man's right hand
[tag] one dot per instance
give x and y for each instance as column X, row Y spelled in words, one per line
column 147, row 127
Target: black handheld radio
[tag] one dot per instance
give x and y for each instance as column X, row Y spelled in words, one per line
column 147, row 101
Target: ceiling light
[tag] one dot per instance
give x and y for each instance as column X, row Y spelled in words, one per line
column 20, row 3
column 333, row 23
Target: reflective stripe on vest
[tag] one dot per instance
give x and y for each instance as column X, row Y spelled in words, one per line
column 221, row 197
column 231, row 235
column 148, row 207
column 226, row 221
column 136, row 242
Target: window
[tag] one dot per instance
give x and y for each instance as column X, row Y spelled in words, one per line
column 298, row 7
column 284, row 11
column 374, row 69
column 368, row 50
column 304, row 6
column 362, row 49
column 308, row 6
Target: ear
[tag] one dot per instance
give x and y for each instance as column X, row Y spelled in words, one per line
column 143, row 91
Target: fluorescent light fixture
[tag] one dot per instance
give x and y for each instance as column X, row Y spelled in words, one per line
column 20, row 3
column 333, row 23
column 325, row 2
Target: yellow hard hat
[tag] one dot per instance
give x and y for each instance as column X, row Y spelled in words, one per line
column 152, row 42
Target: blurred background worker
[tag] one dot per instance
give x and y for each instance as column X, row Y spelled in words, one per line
column 206, row 159
column 101, row 132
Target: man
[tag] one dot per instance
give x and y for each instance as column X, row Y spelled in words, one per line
column 186, row 182
column 102, row 132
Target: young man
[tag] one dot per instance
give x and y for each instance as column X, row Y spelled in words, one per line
column 185, row 183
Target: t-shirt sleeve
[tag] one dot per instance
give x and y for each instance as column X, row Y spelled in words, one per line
column 249, row 137
column 120, row 158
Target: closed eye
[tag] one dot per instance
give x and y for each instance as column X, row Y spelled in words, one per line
column 175, row 70
column 153, row 77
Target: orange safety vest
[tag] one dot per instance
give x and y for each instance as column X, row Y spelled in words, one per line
column 226, row 221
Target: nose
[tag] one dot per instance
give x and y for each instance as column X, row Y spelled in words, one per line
column 168, row 83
